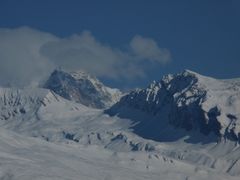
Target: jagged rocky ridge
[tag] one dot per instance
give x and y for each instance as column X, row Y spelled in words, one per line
column 83, row 88
column 189, row 101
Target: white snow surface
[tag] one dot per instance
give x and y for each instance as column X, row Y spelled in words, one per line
column 44, row 136
column 24, row 158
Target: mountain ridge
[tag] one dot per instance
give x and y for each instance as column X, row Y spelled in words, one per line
column 190, row 101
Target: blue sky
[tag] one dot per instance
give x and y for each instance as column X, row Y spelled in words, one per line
column 201, row 35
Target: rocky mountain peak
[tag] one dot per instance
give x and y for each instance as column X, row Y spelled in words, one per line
column 189, row 101
column 83, row 88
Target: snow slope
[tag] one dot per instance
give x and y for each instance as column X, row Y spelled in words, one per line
column 24, row 158
column 83, row 88
column 51, row 118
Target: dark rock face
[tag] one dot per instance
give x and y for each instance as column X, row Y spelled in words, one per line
column 187, row 101
column 82, row 88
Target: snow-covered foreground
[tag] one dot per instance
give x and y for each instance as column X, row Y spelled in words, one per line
column 24, row 158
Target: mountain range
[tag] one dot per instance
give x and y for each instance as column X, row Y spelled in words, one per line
column 183, row 126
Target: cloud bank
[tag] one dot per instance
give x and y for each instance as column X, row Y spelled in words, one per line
column 27, row 56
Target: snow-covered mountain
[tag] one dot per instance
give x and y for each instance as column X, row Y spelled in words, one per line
column 22, row 110
column 83, row 88
column 186, row 100
column 72, row 141
column 45, row 136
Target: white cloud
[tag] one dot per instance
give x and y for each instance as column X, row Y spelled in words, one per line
column 27, row 56
column 147, row 48
column 20, row 60
column 85, row 52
